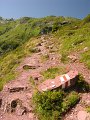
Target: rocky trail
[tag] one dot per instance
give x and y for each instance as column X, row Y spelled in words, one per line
column 16, row 96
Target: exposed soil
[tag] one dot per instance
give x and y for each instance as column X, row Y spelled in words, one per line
column 16, row 96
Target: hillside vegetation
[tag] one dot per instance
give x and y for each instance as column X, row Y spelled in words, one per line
column 18, row 37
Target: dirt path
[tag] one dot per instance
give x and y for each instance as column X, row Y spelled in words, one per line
column 79, row 111
column 75, row 64
column 17, row 103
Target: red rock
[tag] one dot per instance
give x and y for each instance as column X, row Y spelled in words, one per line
column 62, row 81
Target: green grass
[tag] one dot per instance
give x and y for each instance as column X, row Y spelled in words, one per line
column 53, row 72
column 85, row 57
column 69, row 40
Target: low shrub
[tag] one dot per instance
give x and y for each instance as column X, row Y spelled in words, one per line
column 48, row 104
column 51, row 105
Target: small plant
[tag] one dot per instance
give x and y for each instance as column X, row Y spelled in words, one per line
column 48, row 104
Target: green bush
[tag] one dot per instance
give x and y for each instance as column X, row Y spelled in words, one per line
column 51, row 105
column 48, row 104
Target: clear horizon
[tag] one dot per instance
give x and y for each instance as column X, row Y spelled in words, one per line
column 41, row 8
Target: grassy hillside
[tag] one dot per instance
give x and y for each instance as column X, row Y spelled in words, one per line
column 18, row 37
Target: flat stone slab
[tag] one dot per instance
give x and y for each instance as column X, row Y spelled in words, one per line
column 64, row 81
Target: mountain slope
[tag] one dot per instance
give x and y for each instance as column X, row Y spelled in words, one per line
column 70, row 35
column 54, row 45
column 44, row 63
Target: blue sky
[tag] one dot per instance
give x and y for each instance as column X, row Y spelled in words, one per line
column 41, row 8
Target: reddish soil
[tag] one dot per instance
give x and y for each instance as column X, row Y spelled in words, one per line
column 22, row 107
